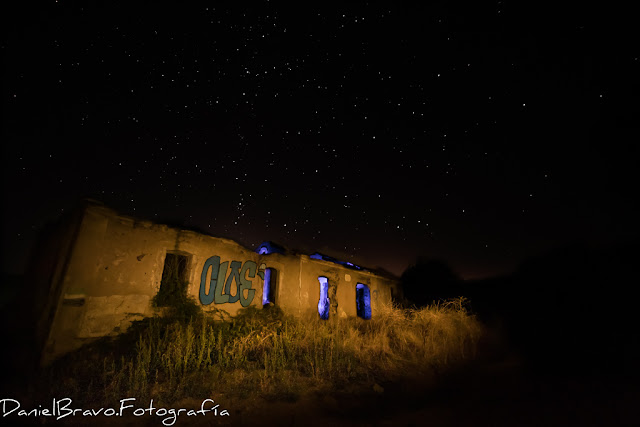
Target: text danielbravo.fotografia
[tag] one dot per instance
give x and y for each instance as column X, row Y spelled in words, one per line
column 63, row 408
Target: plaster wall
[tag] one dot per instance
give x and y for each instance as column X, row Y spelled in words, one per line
column 114, row 269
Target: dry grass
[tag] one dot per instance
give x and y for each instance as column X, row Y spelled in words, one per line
column 266, row 353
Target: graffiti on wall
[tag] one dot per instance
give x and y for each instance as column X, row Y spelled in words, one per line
column 236, row 287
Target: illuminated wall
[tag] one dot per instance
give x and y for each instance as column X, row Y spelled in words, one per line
column 113, row 268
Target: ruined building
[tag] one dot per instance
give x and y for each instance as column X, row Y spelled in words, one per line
column 97, row 271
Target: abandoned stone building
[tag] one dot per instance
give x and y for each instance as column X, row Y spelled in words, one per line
column 97, row 271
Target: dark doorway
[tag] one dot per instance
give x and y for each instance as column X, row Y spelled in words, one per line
column 173, row 287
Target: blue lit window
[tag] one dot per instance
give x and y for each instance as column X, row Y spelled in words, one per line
column 269, row 289
column 324, row 303
column 363, row 301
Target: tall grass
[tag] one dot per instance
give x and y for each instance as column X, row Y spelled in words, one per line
column 268, row 353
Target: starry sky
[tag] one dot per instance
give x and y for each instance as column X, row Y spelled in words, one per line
column 479, row 133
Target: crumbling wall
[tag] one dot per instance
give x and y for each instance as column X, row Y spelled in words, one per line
column 109, row 279
column 342, row 287
column 115, row 269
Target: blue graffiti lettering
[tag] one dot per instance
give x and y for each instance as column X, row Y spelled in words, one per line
column 220, row 291
column 245, row 284
column 233, row 276
column 212, row 263
column 220, row 297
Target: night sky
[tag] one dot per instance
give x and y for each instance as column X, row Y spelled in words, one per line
column 478, row 133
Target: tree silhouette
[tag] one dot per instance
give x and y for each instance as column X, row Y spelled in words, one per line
column 429, row 280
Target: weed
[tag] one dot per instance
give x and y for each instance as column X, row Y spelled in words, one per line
column 267, row 353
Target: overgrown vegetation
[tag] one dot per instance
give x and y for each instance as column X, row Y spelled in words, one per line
column 173, row 287
column 173, row 290
column 266, row 353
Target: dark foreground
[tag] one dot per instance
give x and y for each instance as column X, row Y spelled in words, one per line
column 485, row 393
column 497, row 389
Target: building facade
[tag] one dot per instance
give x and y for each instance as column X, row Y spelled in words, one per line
column 98, row 271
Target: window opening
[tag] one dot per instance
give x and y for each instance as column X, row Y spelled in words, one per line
column 173, row 286
column 324, row 303
column 269, row 289
column 363, row 301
